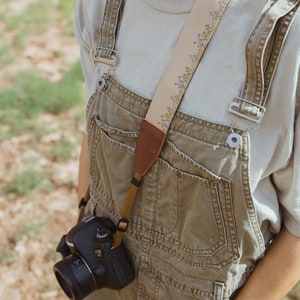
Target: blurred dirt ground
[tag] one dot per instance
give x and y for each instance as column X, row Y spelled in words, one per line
column 31, row 226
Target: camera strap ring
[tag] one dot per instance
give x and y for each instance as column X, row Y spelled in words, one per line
column 123, row 223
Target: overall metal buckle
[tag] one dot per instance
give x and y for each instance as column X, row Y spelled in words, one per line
column 236, row 108
column 111, row 61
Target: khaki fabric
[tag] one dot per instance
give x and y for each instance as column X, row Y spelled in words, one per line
column 194, row 214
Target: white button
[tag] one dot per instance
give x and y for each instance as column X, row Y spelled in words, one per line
column 101, row 83
column 234, row 140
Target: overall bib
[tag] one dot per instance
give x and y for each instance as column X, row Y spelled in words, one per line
column 193, row 231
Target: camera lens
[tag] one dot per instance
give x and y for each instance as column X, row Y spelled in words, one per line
column 74, row 277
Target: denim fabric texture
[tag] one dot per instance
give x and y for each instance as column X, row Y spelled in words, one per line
column 194, row 210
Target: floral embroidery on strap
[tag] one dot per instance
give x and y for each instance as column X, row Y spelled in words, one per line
column 184, row 79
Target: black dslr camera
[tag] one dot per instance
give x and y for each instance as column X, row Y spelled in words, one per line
column 89, row 261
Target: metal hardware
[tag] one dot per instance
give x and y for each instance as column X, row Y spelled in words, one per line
column 101, row 83
column 234, row 140
column 236, row 108
column 111, row 61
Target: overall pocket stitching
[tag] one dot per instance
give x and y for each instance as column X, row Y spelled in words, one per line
column 251, row 207
column 91, row 101
column 110, row 129
column 165, row 278
column 217, row 214
column 116, row 143
column 120, row 105
column 196, row 166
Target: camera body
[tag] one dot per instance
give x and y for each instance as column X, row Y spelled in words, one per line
column 89, row 261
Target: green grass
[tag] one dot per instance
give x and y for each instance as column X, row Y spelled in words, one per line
column 66, row 14
column 62, row 150
column 25, row 182
column 32, row 94
column 7, row 255
column 6, row 56
column 32, row 229
column 36, row 18
column 53, row 255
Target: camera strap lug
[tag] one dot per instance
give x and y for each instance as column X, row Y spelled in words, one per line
column 82, row 205
column 82, row 202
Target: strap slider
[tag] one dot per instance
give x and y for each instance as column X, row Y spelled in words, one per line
column 123, row 225
column 106, row 56
column 247, row 110
column 136, row 182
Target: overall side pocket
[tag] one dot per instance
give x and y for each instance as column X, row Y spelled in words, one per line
column 112, row 163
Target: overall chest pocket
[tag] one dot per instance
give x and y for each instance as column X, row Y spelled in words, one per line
column 111, row 154
column 194, row 218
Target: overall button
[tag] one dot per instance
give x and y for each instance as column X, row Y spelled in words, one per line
column 234, row 140
column 101, row 83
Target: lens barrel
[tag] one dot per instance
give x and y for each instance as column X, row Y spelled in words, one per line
column 74, row 277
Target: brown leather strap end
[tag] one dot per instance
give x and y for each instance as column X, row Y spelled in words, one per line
column 148, row 146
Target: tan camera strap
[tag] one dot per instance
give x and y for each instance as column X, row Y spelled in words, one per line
column 189, row 49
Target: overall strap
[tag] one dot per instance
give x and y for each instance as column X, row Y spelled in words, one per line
column 263, row 50
column 105, row 55
column 105, row 52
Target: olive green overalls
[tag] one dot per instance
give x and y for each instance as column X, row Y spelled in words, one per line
column 193, row 232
